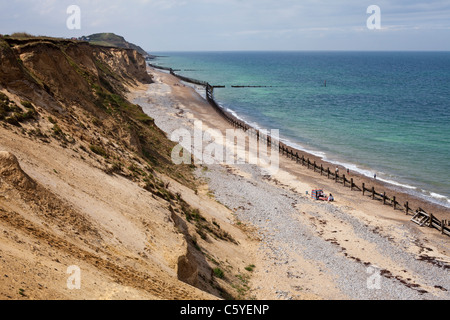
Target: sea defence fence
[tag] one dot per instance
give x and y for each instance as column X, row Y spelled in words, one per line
column 420, row 216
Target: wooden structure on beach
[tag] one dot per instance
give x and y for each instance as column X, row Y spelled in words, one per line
column 420, row 216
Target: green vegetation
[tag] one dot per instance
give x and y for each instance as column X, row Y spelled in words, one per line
column 242, row 286
column 57, row 131
column 13, row 114
column 22, row 292
column 5, row 106
column 114, row 103
column 113, row 40
column 250, row 267
column 98, row 150
column 27, row 105
column 219, row 273
column 51, row 120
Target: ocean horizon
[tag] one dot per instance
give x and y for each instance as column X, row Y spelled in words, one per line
column 373, row 112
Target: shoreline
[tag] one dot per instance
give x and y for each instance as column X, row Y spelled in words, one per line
column 392, row 185
column 307, row 249
column 402, row 195
column 425, row 195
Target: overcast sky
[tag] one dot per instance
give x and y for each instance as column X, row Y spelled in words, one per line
column 217, row 25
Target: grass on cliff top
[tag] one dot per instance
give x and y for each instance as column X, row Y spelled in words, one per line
column 27, row 36
column 113, row 40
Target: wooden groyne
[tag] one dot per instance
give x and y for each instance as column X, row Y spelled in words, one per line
column 159, row 67
column 190, row 80
column 235, row 86
column 420, row 216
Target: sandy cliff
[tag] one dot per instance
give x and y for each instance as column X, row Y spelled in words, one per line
column 86, row 180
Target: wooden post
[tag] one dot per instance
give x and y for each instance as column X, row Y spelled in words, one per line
column 407, row 207
column 351, row 182
column 336, row 177
column 328, row 173
column 363, row 188
column 308, row 163
column 343, row 178
column 384, row 197
column 321, row 170
column 298, row 158
column 373, row 193
column 395, row 202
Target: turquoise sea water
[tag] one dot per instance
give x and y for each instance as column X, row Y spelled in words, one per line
column 380, row 112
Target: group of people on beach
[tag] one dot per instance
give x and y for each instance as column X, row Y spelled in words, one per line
column 319, row 195
column 330, row 198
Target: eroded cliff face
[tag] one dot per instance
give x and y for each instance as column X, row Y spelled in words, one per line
column 64, row 78
column 67, row 72
column 126, row 62
column 84, row 180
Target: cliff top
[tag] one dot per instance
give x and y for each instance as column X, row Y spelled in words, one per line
column 112, row 40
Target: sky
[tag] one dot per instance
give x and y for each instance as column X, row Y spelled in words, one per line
column 224, row 25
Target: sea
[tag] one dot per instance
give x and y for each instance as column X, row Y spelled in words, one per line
column 383, row 113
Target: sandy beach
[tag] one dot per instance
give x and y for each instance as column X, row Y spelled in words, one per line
column 353, row 248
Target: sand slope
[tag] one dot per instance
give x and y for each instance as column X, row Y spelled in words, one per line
column 128, row 244
column 86, row 180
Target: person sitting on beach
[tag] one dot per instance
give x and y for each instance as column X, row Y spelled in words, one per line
column 330, row 198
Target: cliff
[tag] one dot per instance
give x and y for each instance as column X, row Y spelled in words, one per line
column 113, row 40
column 86, row 180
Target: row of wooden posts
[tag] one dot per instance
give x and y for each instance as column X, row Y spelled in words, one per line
column 427, row 218
column 431, row 221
